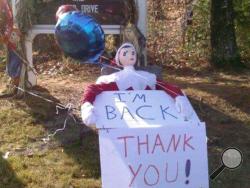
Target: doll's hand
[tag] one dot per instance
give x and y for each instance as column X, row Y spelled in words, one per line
column 183, row 107
column 88, row 115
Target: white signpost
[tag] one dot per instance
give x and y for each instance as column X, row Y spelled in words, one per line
column 50, row 29
column 145, row 143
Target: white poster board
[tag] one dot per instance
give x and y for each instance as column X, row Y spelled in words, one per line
column 173, row 156
column 134, row 109
column 144, row 142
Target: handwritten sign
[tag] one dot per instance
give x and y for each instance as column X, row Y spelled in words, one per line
column 148, row 143
column 173, row 156
column 134, row 109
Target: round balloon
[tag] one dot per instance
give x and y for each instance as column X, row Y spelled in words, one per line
column 80, row 36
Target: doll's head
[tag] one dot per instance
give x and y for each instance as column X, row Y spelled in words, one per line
column 15, row 35
column 126, row 55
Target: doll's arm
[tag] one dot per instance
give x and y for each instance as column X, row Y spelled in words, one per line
column 92, row 90
column 170, row 89
column 182, row 104
column 90, row 93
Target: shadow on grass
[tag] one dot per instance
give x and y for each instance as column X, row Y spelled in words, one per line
column 222, row 135
column 203, row 71
column 8, row 178
column 233, row 93
column 237, row 96
column 78, row 141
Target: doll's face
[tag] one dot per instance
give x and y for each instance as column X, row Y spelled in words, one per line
column 15, row 36
column 128, row 56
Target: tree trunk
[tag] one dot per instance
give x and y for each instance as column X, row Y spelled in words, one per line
column 223, row 42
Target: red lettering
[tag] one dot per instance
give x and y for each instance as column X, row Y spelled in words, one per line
column 176, row 176
column 157, row 173
column 186, row 143
column 158, row 142
column 173, row 140
column 134, row 173
column 125, row 143
column 139, row 144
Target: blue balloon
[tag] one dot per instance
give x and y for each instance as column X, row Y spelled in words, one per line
column 80, row 36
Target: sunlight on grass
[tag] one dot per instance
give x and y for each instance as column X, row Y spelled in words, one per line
column 37, row 165
column 220, row 105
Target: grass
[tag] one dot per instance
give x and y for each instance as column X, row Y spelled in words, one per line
column 37, row 164
column 71, row 159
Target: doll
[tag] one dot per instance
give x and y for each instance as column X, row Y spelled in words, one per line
column 130, row 79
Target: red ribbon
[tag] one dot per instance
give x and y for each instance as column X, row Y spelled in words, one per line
column 7, row 21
